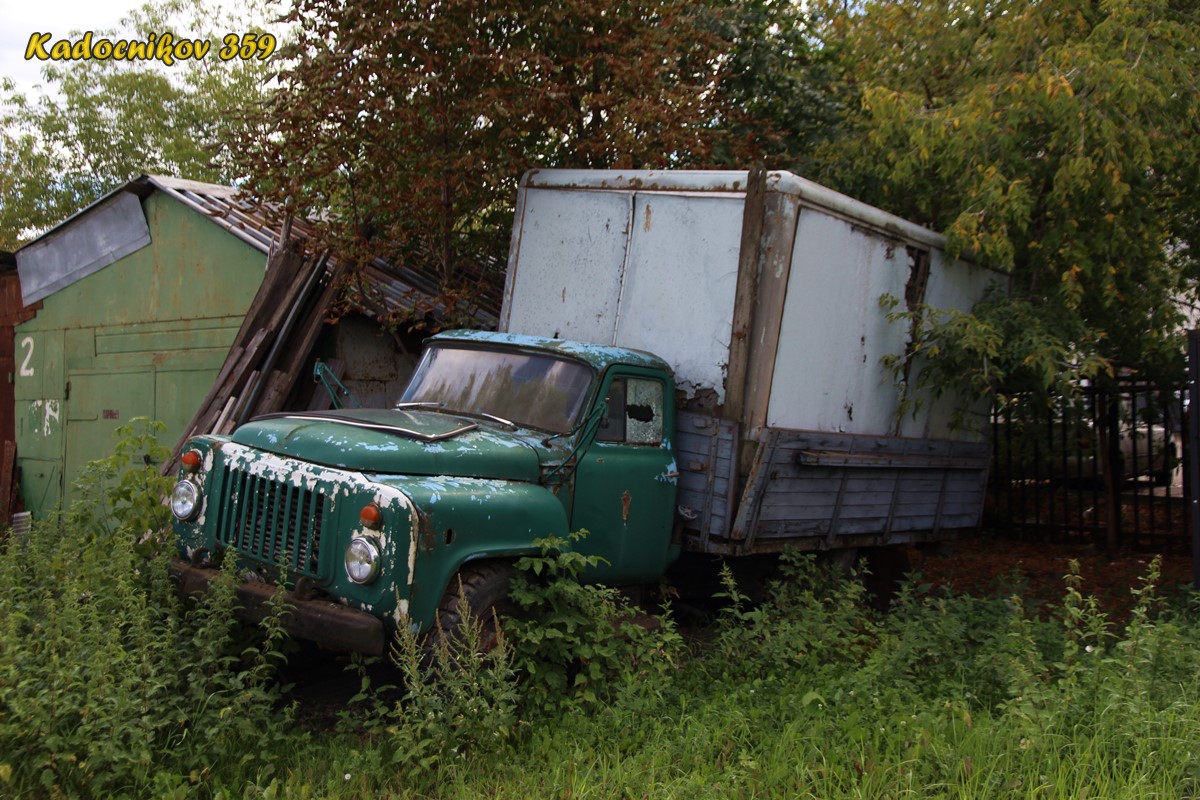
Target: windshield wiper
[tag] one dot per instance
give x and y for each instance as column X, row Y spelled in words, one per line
column 501, row 420
column 436, row 406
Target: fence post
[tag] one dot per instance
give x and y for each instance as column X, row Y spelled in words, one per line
column 1192, row 446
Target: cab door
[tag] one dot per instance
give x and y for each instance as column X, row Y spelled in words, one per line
column 624, row 487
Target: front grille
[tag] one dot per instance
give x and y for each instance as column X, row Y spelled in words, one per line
column 271, row 521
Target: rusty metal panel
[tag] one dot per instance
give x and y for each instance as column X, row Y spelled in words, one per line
column 145, row 335
column 568, row 260
column 665, row 279
column 951, row 285
column 39, row 389
column 192, row 270
column 41, row 482
column 373, row 371
column 679, row 287
column 834, row 334
column 99, row 403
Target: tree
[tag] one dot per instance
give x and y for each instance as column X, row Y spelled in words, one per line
column 101, row 122
column 404, row 126
column 1054, row 140
column 781, row 79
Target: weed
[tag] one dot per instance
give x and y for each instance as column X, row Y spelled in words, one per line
column 457, row 698
column 113, row 686
column 574, row 643
column 110, row 684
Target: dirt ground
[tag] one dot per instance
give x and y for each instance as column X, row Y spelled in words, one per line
column 984, row 563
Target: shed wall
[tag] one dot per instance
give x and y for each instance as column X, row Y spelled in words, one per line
column 144, row 336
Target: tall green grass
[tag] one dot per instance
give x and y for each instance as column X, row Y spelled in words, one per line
column 111, row 686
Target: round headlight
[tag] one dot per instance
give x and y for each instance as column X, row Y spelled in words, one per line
column 185, row 500
column 362, row 560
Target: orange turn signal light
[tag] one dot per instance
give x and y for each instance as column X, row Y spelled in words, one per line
column 371, row 516
column 191, row 460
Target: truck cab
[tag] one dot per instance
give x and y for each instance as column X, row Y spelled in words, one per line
column 366, row 517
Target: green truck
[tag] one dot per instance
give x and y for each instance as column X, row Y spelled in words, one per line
column 687, row 362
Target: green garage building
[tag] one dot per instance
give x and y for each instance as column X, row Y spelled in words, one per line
column 141, row 294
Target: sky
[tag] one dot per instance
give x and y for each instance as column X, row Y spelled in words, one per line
column 19, row 19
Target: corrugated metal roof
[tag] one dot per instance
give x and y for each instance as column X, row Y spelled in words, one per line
column 397, row 289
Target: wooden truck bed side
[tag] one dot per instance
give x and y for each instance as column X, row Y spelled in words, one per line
column 812, row 490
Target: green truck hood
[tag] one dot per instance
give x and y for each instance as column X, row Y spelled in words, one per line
column 403, row 442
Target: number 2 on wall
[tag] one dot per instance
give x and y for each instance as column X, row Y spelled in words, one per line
column 27, row 345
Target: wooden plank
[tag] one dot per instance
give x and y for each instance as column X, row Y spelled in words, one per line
column 832, row 458
column 243, row 372
column 223, row 417
column 314, row 321
column 911, row 482
column 785, row 504
column 252, row 381
column 282, row 326
column 300, row 341
column 798, row 475
column 278, row 282
column 834, row 514
column 745, row 293
column 826, row 499
column 704, row 451
column 777, row 247
column 8, row 467
column 862, row 443
column 744, row 525
column 788, row 529
column 276, row 388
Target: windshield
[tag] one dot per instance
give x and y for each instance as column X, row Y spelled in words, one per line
column 533, row 390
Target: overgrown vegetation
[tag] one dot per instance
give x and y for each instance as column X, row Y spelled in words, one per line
column 1048, row 140
column 113, row 686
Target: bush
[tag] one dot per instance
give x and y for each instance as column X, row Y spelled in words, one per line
column 456, row 699
column 110, row 684
column 569, row 646
column 575, row 643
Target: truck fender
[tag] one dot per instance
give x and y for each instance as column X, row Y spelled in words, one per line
column 473, row 519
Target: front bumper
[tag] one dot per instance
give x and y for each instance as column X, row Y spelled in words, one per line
column 320, row 621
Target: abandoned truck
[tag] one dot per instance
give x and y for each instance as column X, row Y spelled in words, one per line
column 687, row 361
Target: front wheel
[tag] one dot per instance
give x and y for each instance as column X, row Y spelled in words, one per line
column 477, row 595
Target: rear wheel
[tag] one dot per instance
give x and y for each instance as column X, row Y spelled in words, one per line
column 481, row 591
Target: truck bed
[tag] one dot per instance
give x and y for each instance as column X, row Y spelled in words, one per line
column 814, row 490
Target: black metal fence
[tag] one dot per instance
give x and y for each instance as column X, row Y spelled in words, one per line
column 1109, row 465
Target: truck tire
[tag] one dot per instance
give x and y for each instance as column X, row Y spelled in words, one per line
column 483, row 588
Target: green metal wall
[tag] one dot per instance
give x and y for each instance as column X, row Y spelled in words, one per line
column 144, row 336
